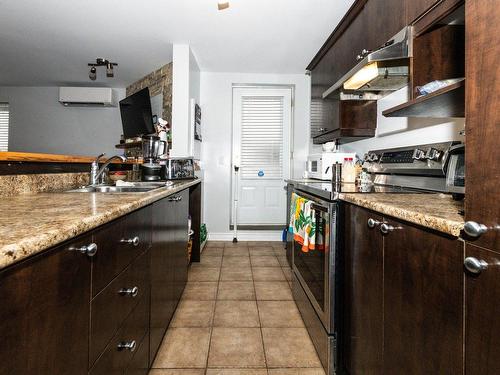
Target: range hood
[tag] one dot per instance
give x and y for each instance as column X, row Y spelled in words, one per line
column 386, row 69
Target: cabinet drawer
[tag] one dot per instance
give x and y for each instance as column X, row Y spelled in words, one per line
column 113, row 304
column 119, row 243
column 115, row 360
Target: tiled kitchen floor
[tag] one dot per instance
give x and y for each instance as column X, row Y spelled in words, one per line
column 237, row 317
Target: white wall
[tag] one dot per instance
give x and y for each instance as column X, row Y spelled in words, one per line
column 216, row 104
column 398, row 131
column 39, row 123
column 185, row 86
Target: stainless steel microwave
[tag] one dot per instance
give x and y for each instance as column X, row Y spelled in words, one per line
column 455, row 169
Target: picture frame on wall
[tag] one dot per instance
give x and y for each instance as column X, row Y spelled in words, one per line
column 197, row 122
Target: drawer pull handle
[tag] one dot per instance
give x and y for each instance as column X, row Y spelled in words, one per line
column 386, row 228
column 175, row 199
column 133, row 241
column 474, row 265
column 127, row 345
column 89, row 250
column 372, row 223
column 129, row 292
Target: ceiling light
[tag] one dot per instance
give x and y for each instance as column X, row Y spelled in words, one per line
column 221, row 5
column 93, row 73
column 101, row 62
column 363, row 76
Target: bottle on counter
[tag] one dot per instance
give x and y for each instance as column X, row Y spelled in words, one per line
column 348, row 171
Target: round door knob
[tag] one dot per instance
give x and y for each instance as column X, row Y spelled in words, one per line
column 386, row 228
column 132, row 241
column 130, row 292
column 474, row 229
column 127, row 345
column 372, row 223
column 474, row 265
column 89, row 250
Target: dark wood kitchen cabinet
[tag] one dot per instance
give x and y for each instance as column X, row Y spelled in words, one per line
column 169, row 263
column 482, row 130
column 363, row 302
column 423, row 302
column 44, row 313
column 408, row 287
column 482, row 311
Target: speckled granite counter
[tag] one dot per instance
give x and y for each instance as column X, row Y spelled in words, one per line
column 436, row 211
column 34, row 222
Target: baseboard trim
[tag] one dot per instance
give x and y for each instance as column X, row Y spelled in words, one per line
column 244, row 235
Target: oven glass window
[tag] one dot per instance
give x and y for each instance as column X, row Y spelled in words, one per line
column 312, row 265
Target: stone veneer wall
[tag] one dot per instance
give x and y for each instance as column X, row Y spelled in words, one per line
column 158, row 82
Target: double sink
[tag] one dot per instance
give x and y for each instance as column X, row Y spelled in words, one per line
column 137, row 187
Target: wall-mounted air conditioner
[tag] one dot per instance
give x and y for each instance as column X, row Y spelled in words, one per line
column 87, row 96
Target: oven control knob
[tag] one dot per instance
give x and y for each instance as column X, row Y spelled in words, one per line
column 433, row 154
column 373, row 157
column 418, row 154
column 367, row 157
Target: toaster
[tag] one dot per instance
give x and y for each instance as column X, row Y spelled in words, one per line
column 178, row 169
column 455, row 170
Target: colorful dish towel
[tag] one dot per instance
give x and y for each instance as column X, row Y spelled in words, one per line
column 303, row 224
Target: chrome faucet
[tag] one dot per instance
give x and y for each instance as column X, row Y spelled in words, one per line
column 96, row 173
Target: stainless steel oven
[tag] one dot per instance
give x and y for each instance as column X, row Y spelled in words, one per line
column 316, row 269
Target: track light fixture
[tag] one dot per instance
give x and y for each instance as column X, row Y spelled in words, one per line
column 101, row 62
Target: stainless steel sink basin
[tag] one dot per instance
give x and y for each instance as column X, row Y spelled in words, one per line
column 113, row 189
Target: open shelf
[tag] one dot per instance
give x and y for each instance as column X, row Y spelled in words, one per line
column 132, row 144
column 448, row 101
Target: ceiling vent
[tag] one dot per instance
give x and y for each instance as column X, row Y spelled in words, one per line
column 87, row 97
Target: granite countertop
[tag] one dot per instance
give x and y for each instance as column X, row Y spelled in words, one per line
column 436, row 211
column 31, row 223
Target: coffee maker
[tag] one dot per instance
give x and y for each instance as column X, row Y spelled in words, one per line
column 151, row 148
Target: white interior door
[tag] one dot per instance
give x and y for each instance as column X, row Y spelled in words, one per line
column 261, row 150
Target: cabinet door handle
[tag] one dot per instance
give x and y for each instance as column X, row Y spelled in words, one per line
column 129, row 292
column 474, row 265
column 386, row 228
column 89, row 250
column 175, row 199
column 127, row 345
column 474, row 229
column 132, row 241
column 372, row 223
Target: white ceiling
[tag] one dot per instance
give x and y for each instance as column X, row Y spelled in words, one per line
column 50, row 42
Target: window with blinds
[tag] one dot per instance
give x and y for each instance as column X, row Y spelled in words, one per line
column 261, row 137
column 4, row 126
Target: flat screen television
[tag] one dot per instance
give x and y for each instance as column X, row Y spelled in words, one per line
column 137, row 117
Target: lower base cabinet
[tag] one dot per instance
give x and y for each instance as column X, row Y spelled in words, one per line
column 100, row 303
column 404, row 298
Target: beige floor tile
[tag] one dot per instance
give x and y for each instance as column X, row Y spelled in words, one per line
column 193, row 314
column 236, row 371
column 203, row 273
column 261, row 251
column 287, row 271
column 283, row 261
column 296, row 371
column 236, row 251
column 268, row 274
column 284, row 314
column 230, row 244
column 279, row 251
column 177, row 371
column 216, row 244
column 213, row 251
column 236, row 274
column 273, row 290
column 236, row 314
column 183, row 348
column 289, row 347
column 236, row 347
column 208, row 261
column 236, row 290
column 277, row 244
column 200, row 291
column 264, row 261
column 235, row 261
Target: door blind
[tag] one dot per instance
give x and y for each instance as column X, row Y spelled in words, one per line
column 4, row 126
column 261, row 137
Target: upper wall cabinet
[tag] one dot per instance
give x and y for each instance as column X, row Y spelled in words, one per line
column 415, row 8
